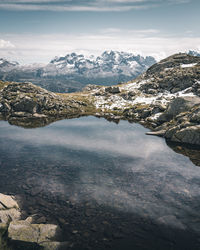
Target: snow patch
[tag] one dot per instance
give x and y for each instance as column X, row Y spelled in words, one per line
column 155, row 117
column 188, row 65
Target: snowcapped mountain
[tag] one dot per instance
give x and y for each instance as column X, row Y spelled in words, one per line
column 73, row 71
column 193, row 53
column 7, row 66
column 109, row 64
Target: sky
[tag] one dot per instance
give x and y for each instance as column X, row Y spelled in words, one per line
column 33, row 31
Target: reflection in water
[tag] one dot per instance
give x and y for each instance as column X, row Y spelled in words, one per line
column 102, row 180
column 193, row 152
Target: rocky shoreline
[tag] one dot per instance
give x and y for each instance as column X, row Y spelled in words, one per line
column 165, row 99
column 16, row 233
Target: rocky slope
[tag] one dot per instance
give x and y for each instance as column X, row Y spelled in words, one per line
column 165, row 99
column 72, row 72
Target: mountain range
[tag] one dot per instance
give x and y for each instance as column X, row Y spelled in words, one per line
column 72, row 72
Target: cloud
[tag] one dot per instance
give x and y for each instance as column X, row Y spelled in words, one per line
column 27, row 48
column 130, row 31
column 86, row 5
column 6, row 44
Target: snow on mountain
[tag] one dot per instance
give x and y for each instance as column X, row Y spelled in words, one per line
column 74, row 71
column 193, row 53
column 6, row 66
column 109, row 63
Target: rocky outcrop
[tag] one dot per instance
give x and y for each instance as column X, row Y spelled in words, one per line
column 165, row 99
column 13, row 229
column 175, row 73
column 30, row 106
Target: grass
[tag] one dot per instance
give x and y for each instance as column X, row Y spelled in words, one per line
column 3, row 84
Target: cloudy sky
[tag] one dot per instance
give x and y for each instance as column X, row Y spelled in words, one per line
column 37, row 31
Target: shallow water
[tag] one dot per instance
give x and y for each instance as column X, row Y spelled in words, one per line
column 112, row 184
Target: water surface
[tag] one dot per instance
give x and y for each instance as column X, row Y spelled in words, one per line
column 106, row 185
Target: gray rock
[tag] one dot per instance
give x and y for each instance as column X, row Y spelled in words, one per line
column 188, row 135
column 195, row 116
column 145, row 113
column 181, row 104
column 5, row 107
column 26, row 105
column 113, row 90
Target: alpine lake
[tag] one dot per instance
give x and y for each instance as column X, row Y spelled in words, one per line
column 107, row 185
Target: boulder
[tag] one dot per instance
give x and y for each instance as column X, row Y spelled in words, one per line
column 182, row 104
column 24, row 231
column 8, row 201
column 188, row 135
column 26, row 104
column 9, row 209
column 177, row 106
column 113, row 90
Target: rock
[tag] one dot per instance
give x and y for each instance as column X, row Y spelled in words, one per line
column 170, row 132
column 181, row 104
column 164, row 118
column 29, row 219
column 5, row 107
column 145, row 113
column 177, row 106
column 9, row 215
column 9, row 209
column 195, row 116
column 43, row 235
column 23, row 102
column 187, row 135
column 8, row 201
column 174, row 90
column 152, row 91
column 113, row 90
column 157, row 133
column 26, row 105
column 24, row 231
column 90, row 87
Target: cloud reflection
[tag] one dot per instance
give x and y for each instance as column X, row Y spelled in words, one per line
column 115, row 165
